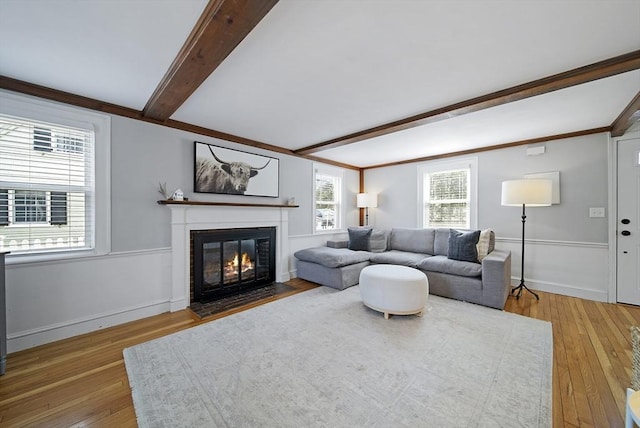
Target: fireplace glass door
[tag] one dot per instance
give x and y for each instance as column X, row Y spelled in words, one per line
column 231, row 261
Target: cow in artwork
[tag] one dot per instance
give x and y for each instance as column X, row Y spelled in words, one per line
column 223, row 177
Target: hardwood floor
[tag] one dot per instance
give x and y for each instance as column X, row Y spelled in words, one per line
column 82, row 381
column 592, row 356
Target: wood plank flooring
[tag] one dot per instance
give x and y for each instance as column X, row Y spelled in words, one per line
column 82, row 381
column 592, row 356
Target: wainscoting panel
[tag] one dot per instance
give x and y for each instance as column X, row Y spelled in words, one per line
column 49, row 301
column 578, row 269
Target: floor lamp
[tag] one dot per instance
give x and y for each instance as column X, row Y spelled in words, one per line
column 526, row 192
column 366, row 201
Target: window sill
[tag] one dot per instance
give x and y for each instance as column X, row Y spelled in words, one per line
column 329, row 231
column 20, row 259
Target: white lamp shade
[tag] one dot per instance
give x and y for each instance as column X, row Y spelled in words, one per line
column 529, row 192
column 367, row 200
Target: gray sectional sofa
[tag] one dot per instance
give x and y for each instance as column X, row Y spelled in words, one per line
column 451, row 273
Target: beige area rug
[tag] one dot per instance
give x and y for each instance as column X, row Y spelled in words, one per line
column 322, row 359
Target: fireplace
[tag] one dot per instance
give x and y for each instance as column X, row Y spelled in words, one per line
column 231, row 261
column 188, row 216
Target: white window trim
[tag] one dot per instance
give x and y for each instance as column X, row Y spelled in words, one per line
column 319, row 168
column 438, row 166
column 53, row 112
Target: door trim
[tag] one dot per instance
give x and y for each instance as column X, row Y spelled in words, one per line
column 613, row 212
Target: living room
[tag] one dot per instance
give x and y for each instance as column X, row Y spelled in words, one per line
column 128, row 275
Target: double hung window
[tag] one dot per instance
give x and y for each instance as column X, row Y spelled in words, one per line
column 447, row 193
column 46, row 186
column 327, row 199
column 48, row 177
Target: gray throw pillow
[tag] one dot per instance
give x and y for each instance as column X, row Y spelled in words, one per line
column 378, row 241
column 462, row 245
column 359, row 238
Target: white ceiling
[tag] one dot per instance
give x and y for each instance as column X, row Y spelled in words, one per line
column 111, row 50
column 316, row 70
column 592, row 105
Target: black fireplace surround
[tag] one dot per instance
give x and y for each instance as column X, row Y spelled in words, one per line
column 231, row 261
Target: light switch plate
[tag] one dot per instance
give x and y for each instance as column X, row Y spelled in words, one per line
column 596, row 212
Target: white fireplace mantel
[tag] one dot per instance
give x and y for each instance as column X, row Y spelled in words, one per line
column 187, row 217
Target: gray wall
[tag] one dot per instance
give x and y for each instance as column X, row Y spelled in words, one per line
column 143, row 154
column 581, row 161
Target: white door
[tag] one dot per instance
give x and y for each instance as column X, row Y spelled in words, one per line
column 628, row 221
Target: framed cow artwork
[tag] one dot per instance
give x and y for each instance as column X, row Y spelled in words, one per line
column 232, row 172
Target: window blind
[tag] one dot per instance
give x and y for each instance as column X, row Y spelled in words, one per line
column 46, row 187
column 447, row 199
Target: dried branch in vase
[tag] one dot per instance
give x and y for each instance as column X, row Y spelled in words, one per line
column 162, row 189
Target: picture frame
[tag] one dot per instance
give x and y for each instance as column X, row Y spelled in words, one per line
column 221, row 170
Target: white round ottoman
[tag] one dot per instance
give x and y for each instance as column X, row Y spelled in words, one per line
column 392, row 289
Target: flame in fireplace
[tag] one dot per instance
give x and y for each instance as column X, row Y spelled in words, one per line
column 245, row 263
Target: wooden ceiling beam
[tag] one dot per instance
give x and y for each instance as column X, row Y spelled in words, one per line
column 599, row 70
column 628, row 116
column 46, row 93
column 221, row 27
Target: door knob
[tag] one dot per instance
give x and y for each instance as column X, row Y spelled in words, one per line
column 625, row 233
column 625, row 221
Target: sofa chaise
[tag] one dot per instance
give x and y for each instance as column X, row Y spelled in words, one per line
column 459, row 264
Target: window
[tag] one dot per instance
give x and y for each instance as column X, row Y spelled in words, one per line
column 48, row 184
column 448, row 194
column 49, row 140
column 48, row 176
column 26, row 206
column 327, row 200
column 29, row 207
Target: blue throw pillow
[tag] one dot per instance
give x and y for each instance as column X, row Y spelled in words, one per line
column 359, row 238
column 462, row 245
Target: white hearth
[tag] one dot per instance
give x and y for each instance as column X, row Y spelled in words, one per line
column 186, row 217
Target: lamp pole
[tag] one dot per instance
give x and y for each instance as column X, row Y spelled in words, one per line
column 522, row 285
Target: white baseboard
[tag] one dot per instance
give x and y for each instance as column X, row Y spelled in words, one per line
column 178, row 304
column 51, row 333
column 563, row 289
column 284, row 277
